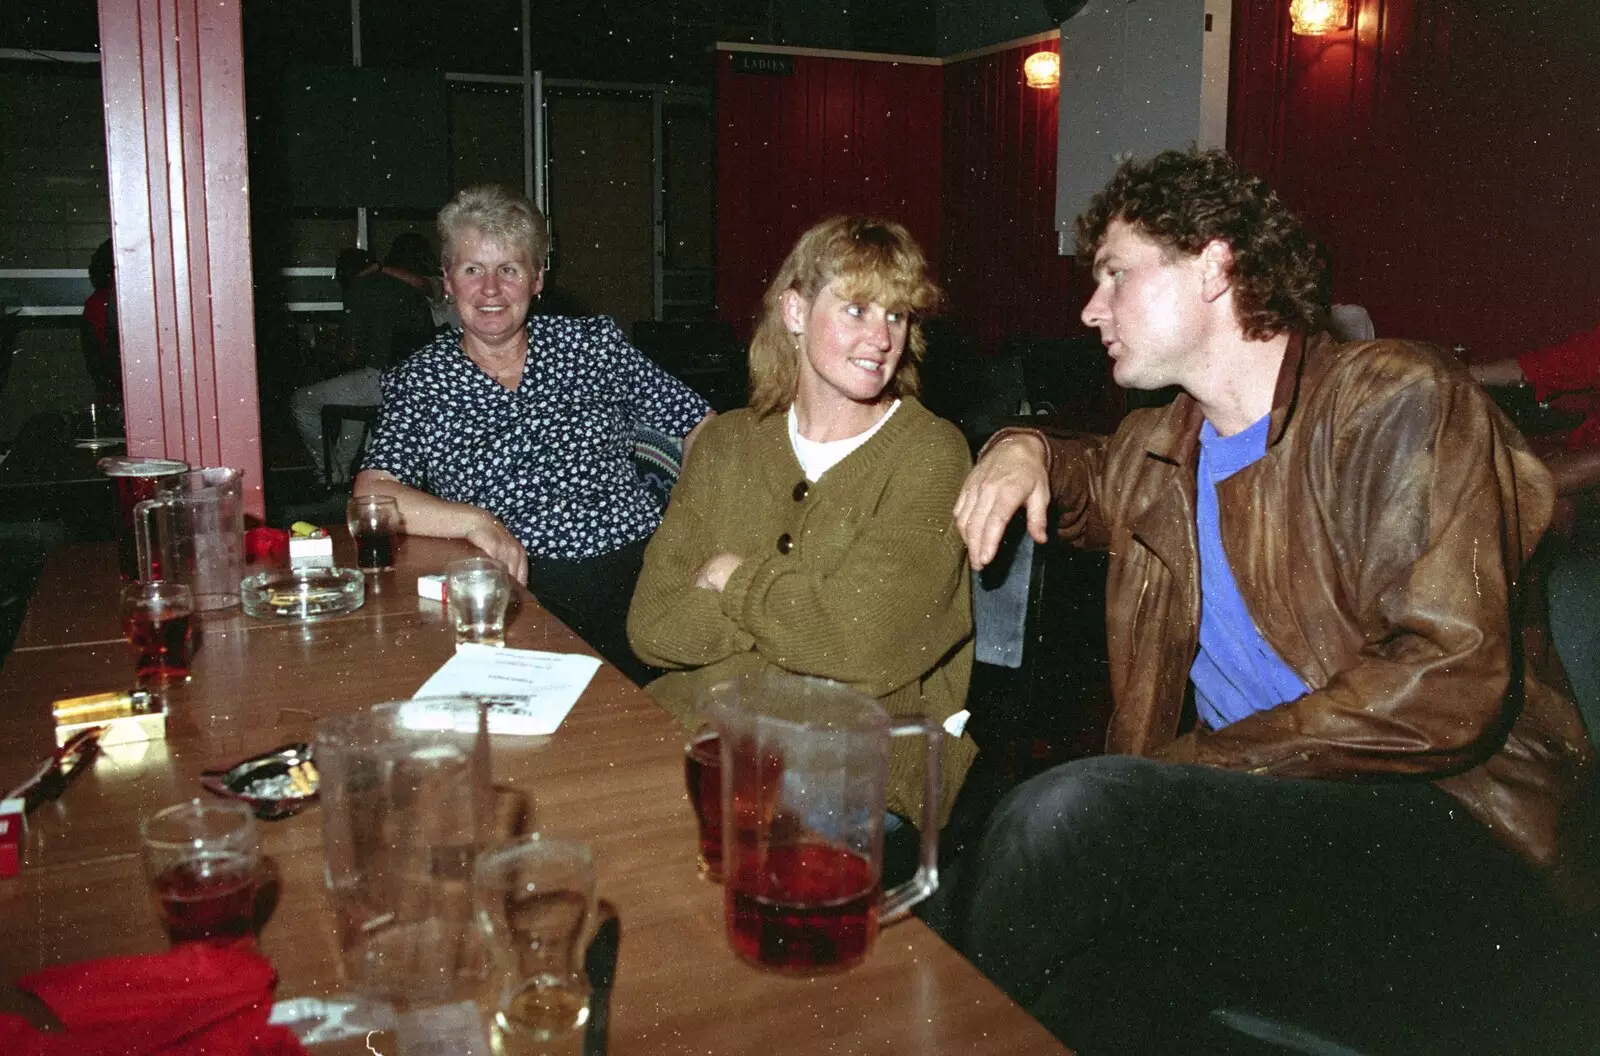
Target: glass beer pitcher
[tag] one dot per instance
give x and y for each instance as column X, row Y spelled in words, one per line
column 192, row 532
column 805, row 765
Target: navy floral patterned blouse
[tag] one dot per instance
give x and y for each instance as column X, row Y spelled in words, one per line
column 552, row 459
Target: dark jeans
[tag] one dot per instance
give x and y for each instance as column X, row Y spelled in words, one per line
column 1122, row 901
column 592, row 597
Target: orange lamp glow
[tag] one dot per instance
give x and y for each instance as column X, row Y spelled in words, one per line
column 1042, row 69
column 1314, row 18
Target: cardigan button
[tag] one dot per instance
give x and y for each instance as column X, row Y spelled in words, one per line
column 800, row 491
column 785, row 543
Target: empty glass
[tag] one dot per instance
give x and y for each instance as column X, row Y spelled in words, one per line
column 477, row 591
column 535, row 902
column 192, row 532
column 406, row 805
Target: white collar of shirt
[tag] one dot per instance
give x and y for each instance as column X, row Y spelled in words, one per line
column 816, row 457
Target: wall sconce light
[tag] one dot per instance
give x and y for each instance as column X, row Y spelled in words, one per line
column 1315, row 18
column 1042, row 69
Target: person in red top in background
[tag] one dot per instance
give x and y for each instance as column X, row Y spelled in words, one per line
column 1570, row 366
column 98, row 331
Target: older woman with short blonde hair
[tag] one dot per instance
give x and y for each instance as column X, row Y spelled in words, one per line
column 516, row 432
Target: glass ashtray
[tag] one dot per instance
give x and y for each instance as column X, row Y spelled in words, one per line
column 302, row 593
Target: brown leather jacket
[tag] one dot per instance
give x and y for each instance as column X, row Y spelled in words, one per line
column 1382, row 546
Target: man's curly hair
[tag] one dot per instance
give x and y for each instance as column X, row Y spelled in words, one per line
column 1186, row 199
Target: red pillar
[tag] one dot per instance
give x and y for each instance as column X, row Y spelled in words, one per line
column 172, row 72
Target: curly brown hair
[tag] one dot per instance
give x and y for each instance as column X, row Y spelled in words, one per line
column 1186, row 199
column 874, row 260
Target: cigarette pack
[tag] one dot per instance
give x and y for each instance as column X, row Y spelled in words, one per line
column 313, row 552
column 431, row 587
column 126, row 716
column 11, row 823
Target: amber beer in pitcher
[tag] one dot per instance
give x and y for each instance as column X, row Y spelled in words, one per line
column 815, row 907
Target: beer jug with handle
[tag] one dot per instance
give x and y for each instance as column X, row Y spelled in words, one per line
column 192, row 532
column 805, row 770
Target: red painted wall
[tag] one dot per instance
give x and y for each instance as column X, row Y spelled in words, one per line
column 840, row 135
column 1002, row 275
column 1445, row 152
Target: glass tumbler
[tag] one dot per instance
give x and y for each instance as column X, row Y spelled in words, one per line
column 203, row 861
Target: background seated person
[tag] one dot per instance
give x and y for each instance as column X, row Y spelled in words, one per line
column 386, row 318
column 1570, row 366
column 412, row 259
column 1340, row 765
column 811, row 531
column 97, row 332
column 516, row 433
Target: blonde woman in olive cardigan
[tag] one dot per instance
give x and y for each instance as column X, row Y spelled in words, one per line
column 812, row 530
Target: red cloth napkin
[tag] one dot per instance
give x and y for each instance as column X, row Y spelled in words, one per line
column 266, row 544
column 197, row 998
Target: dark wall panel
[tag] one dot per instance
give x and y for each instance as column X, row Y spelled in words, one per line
column 364, row 137
column 1444, row 150
column 836, row 135
column 1002, row 275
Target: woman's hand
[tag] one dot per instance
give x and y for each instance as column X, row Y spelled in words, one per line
column 714, row 574
column 490, row 536
column 1011, row 474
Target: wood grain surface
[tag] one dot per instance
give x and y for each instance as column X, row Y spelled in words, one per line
column 612, row 775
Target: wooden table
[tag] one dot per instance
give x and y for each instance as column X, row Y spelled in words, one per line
column 612, row 775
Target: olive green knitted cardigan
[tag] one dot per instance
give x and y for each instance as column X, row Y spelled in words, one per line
column 859, row 577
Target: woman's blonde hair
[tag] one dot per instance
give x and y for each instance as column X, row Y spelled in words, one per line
column 498, row 214
column 874, row 261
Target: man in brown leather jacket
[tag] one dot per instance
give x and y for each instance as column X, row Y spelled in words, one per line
column 1339, row 761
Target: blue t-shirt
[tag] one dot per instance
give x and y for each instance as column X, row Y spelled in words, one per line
column 1236, row 673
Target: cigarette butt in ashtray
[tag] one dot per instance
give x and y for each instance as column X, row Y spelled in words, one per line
column 303, row 776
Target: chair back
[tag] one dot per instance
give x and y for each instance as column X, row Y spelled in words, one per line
column 1000, row 594
column 334, row 415
column 659, row 459
column 1573, row 590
